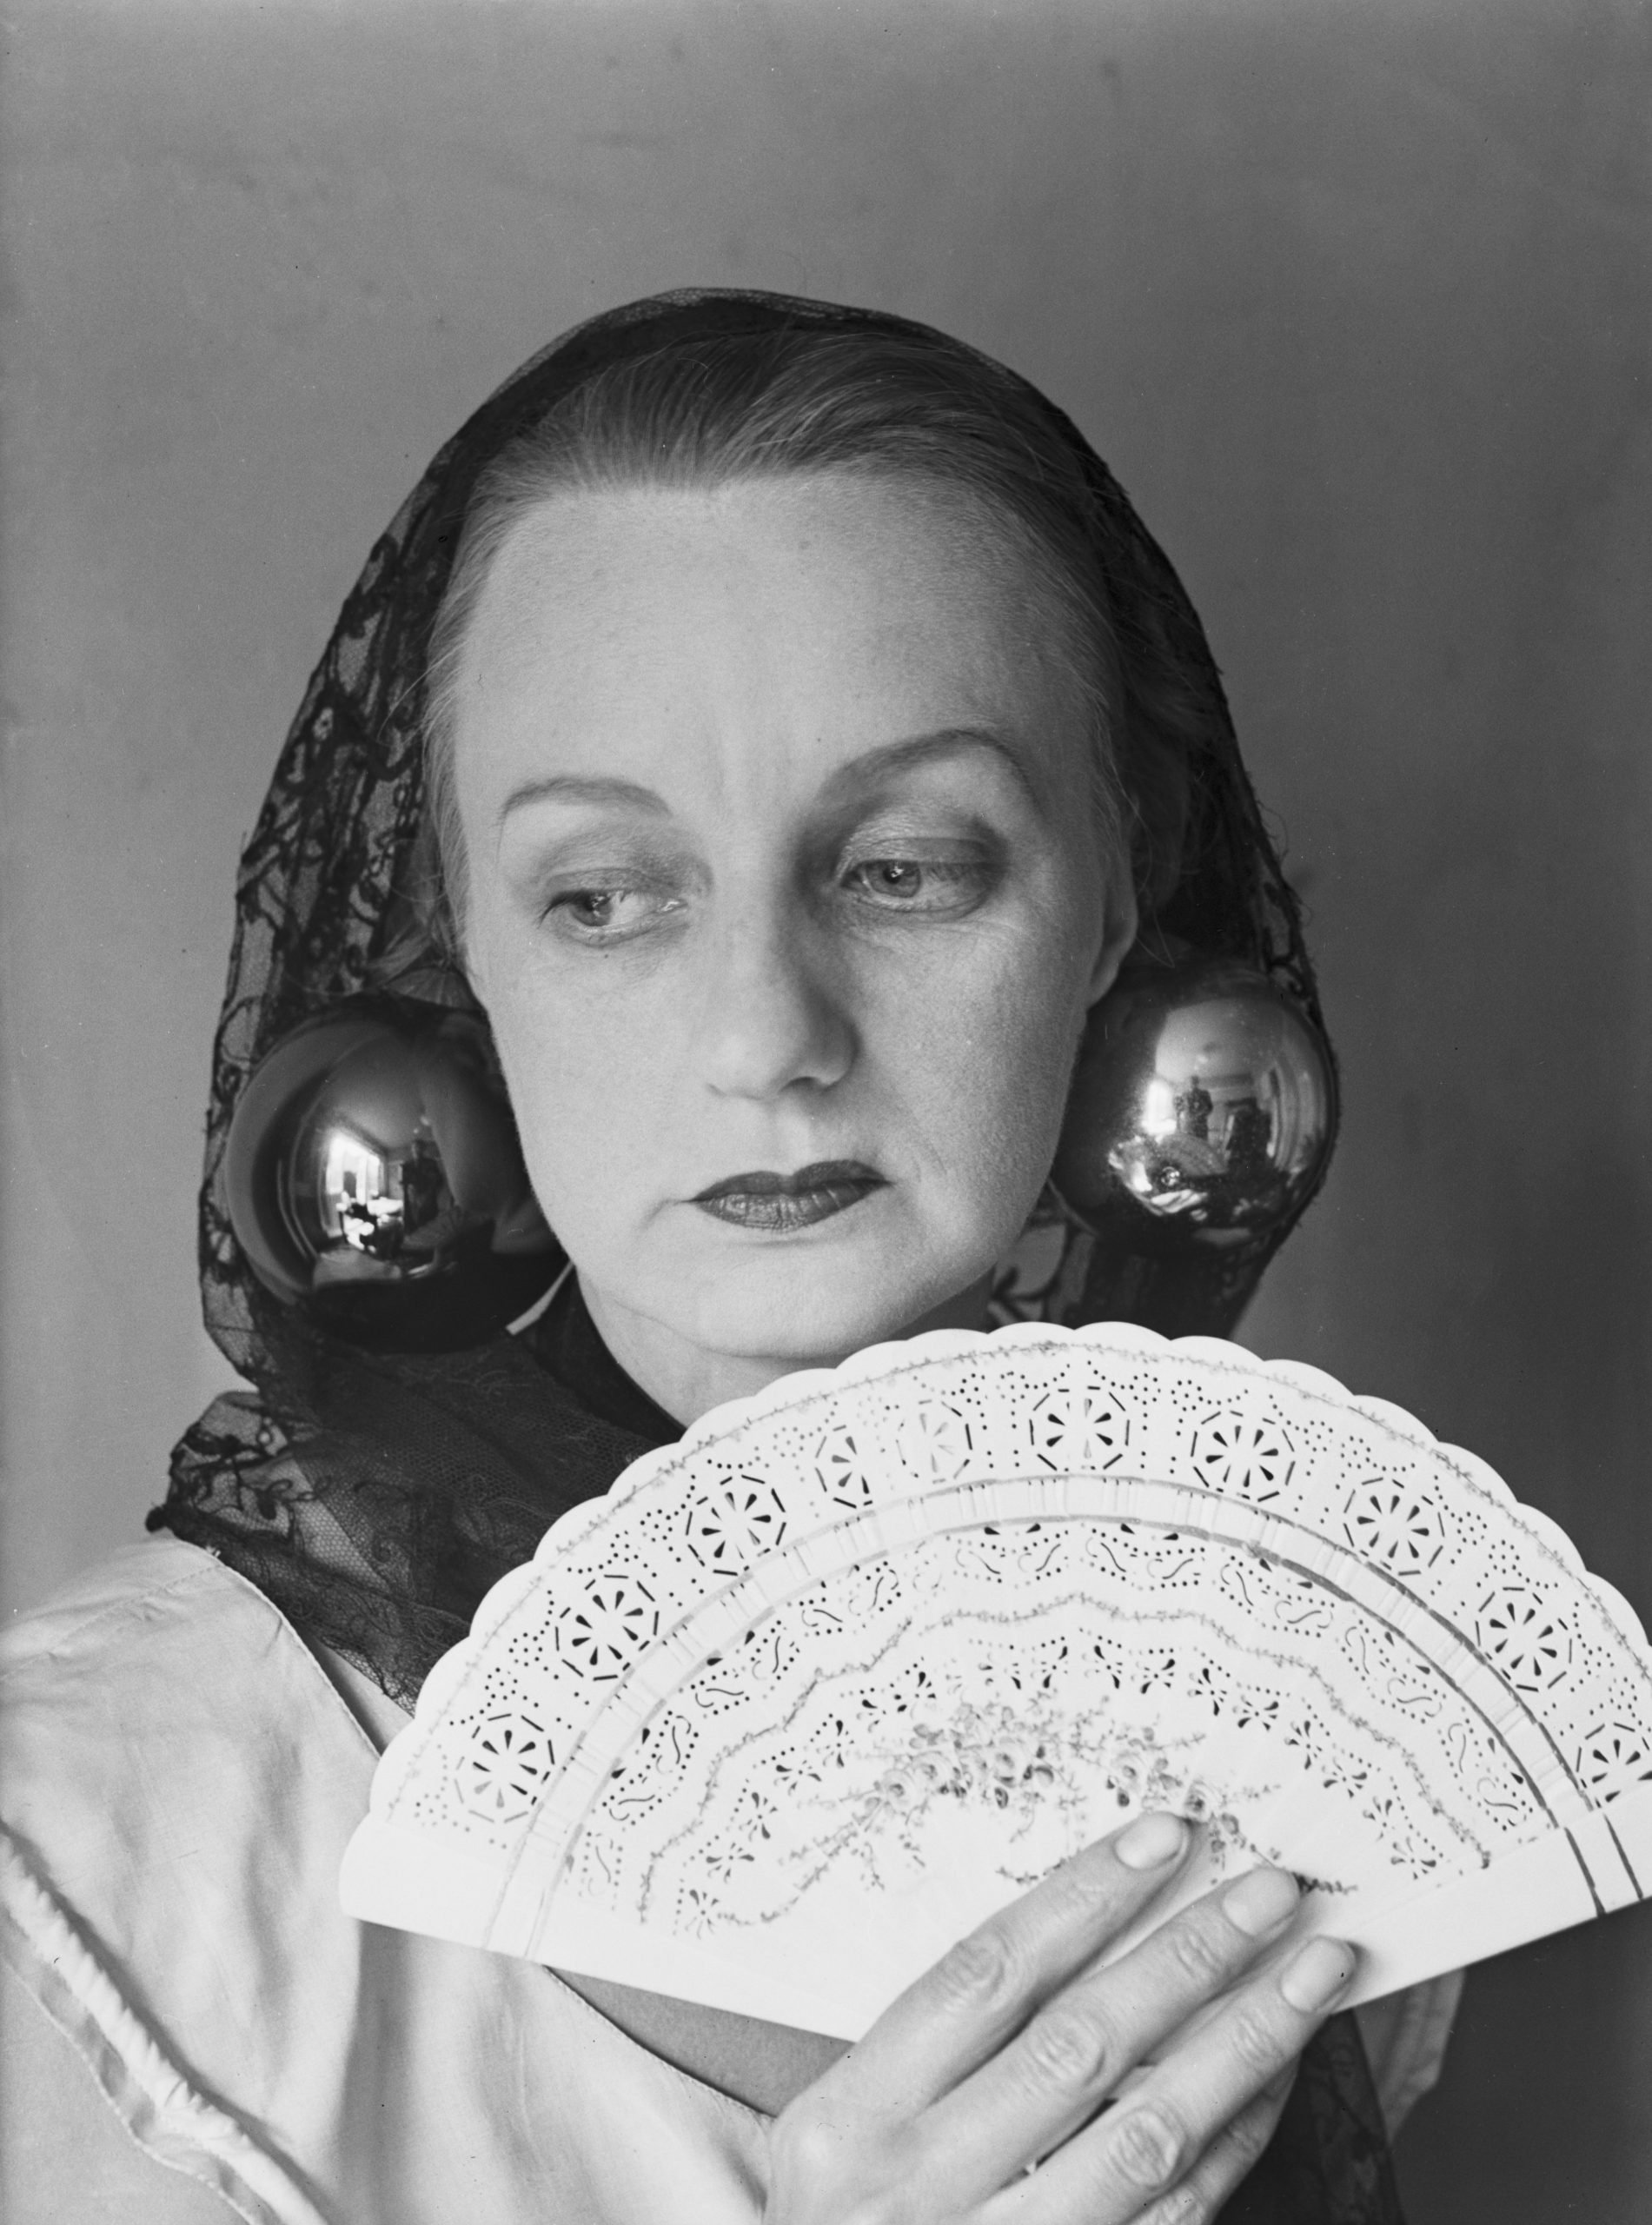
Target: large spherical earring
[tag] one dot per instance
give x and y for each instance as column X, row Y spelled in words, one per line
column 1199, row 1123
column 376, row 1180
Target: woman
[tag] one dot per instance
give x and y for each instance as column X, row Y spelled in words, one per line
column 774, row 717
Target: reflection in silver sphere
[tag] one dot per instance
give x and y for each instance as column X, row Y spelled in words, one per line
column 1201, row 1113
column 374, row 1177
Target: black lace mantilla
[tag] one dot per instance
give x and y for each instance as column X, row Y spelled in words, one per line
column 321, row 908
column 375, row 1499
column 325, row 909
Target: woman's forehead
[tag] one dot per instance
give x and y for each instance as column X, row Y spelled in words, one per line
column 814, row 616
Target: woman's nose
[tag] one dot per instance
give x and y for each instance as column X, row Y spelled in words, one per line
column 770, row 1017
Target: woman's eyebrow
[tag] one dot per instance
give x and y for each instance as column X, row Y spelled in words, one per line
column 918, row 750
column 579, row 787
column 889, row 759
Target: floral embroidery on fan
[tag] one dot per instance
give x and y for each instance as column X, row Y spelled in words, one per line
column 1022, row 1765
column 982, row 1755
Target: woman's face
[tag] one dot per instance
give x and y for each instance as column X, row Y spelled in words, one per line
column 782, row 862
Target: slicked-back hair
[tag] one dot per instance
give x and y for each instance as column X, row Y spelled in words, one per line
column 801, row 402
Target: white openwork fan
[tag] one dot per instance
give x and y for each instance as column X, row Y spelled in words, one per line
column 808, row 1695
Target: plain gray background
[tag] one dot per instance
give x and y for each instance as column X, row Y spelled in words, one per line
column 1354, row 295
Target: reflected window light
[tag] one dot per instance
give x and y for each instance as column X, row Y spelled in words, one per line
column 354, row 1187
column 1158, row 1107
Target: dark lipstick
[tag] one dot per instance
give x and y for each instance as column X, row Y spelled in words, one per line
column 783, row 1202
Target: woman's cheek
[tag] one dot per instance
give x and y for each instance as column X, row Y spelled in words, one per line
column 981, row 1054
column 575, row 1105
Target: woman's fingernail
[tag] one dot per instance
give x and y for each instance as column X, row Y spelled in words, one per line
column 1150, row 1841
column 1261, row 1902
column 1314, row 1978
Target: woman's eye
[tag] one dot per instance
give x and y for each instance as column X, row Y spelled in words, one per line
column 603, row 913
column 918, row 885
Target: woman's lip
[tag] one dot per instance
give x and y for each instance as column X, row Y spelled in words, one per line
column 819, row 1174
column 780, row 1203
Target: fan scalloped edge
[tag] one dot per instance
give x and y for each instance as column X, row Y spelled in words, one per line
column 1591, row 1860
column 894, row 1357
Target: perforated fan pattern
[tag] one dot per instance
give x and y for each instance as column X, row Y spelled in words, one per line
column 900, row 1636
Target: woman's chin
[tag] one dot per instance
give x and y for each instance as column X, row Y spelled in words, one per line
column 808, row 1304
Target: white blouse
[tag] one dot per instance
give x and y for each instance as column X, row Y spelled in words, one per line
column 180, row 1777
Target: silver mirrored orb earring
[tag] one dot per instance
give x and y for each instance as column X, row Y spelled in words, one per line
column 1201, row 1113
column 376, row 1180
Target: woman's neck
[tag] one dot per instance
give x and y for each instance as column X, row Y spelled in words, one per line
column 687, row 1380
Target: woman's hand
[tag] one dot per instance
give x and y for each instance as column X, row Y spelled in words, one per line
column 1004, row 2053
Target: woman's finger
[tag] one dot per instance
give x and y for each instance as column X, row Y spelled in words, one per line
column 983, row 1991
column 1154, row 2139
column 1074, row 2053
column 1226, row 2163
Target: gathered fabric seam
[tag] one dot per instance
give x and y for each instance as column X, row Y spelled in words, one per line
column 152, row 2100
